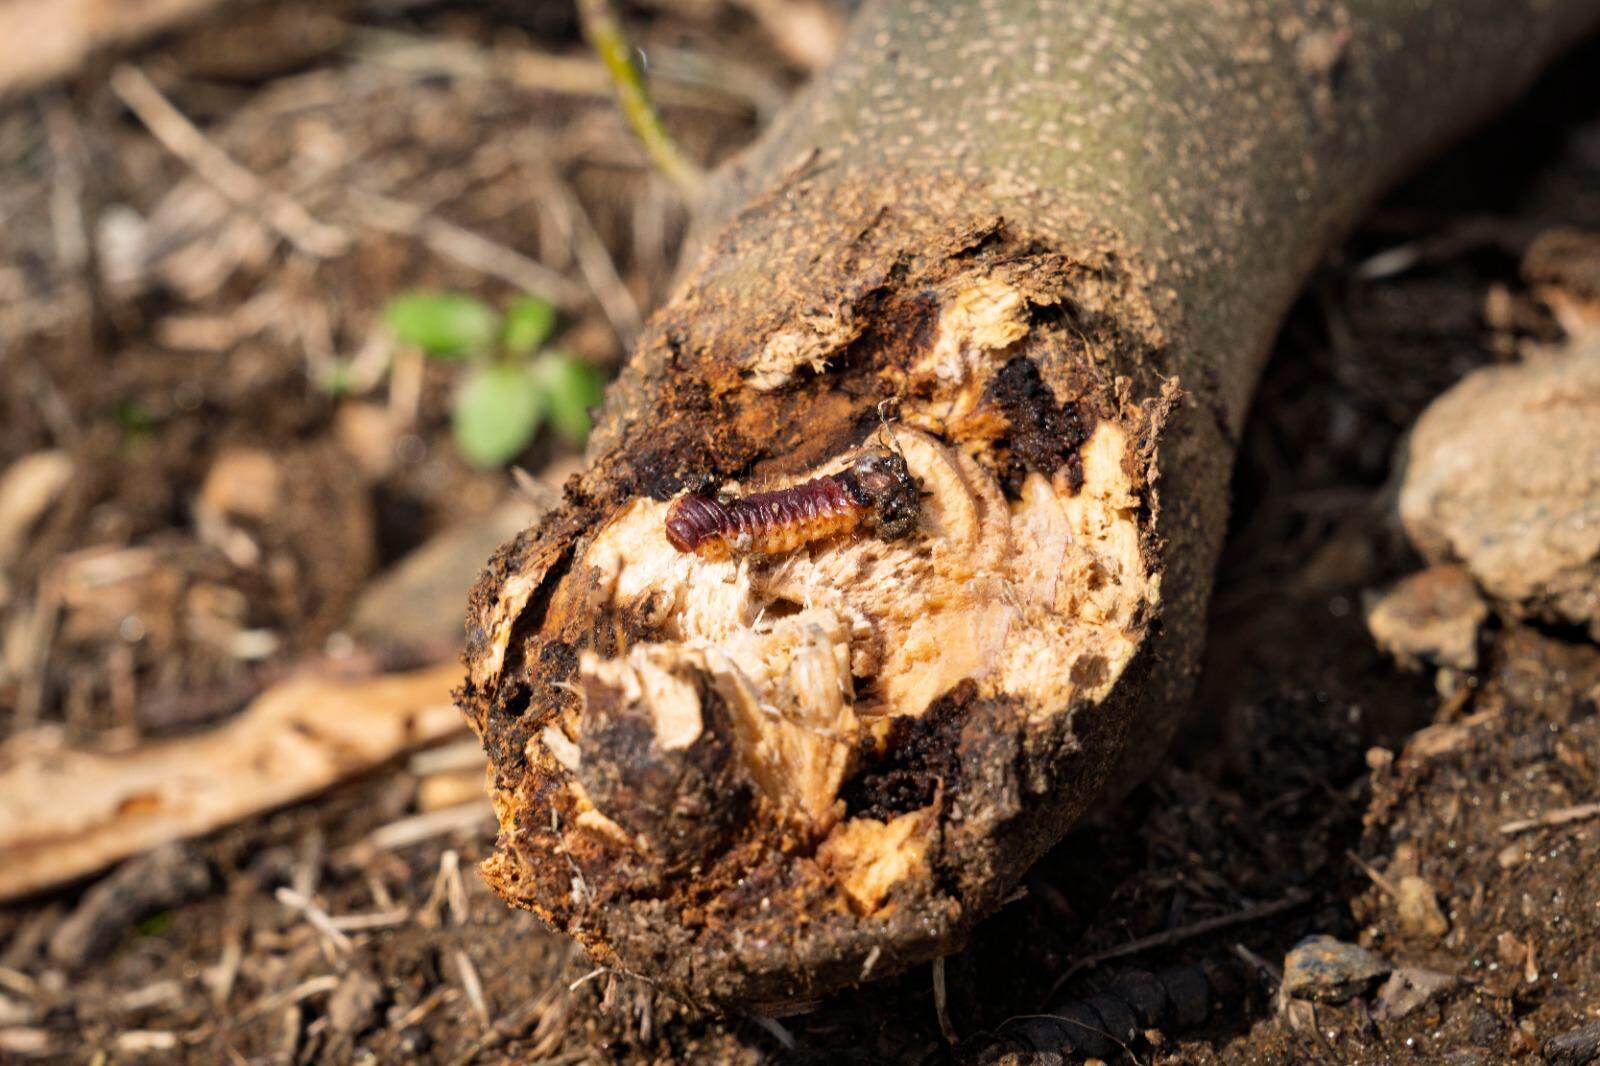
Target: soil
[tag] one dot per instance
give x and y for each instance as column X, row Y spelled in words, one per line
column 154, row 334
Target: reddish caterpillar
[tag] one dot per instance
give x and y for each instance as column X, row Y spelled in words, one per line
column 876, row 491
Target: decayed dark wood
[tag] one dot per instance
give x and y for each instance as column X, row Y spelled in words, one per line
column 1053, row 241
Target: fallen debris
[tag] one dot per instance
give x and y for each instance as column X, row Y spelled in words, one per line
column 1409, row 988
column 417, row 603
column 353, row 1007
column 61, row 34
column 1558, row 817
column 28, row 486
column 65, row 814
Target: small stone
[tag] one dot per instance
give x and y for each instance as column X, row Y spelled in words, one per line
column 1409, row 988
column 1430, row 617
column 1513, row 952
column 1330, row 971
column 1418, row 908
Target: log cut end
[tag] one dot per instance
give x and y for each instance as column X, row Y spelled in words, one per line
column 742, row 773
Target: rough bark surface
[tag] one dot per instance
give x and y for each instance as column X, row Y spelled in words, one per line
column 1040, row 248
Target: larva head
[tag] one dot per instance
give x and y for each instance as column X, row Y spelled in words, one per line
column 692, row 520
column 880, row 482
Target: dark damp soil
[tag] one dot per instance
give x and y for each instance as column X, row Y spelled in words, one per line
column 166, row 343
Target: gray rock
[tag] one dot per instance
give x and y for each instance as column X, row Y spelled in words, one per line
column 1577, row 1047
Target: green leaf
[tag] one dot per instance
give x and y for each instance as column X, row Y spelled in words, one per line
column 570, row 387
column 529, row 323
column 497, row 411
column 443, row 324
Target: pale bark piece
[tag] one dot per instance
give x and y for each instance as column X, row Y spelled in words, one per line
column 28, row 488
column 1039, row 249
column 65, row 814
column 49, row 38
column 1502, row 475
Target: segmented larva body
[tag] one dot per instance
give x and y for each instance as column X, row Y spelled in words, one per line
column 876, row 491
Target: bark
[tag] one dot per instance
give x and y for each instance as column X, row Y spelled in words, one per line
column 60, row 35
column 1041, row 249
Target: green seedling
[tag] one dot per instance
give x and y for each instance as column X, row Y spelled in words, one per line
column 513, row 383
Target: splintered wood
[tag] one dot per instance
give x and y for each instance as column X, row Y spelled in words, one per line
column 65, row 814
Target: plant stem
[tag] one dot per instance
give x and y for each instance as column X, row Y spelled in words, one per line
column 605, row 36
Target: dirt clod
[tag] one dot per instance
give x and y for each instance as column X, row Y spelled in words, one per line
column 1430, row 617
column 1535, row 426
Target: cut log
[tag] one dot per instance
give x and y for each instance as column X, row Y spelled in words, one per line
column 1039, row 249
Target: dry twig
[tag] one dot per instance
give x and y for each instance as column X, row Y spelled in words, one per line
column 316, row 916
column 1180, row 934
column 463, row 246
column 1562, row 816
column 941, row 1002
column 184, row 140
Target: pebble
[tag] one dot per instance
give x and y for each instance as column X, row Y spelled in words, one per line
column 1418, row 909
column 1330, row 971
